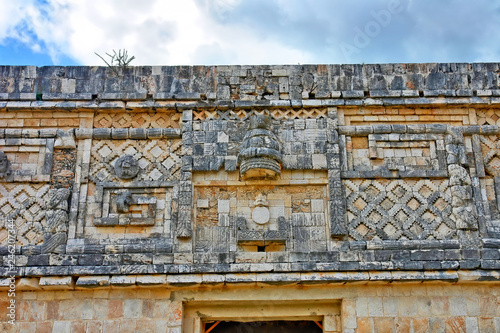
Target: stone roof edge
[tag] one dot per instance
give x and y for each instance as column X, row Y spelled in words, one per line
column 257, row 82
column 126, row 106
column 193, row 280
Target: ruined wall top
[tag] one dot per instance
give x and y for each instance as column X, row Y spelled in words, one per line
column 249, row 83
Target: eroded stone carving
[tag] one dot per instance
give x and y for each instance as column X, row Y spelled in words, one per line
column 260, row 213
column 4, row 165
column 260, row 156
column 123, row 201
column 65, row 139
column 184, row 223
column 56, row 220
column 126, row 167
column 463, row 212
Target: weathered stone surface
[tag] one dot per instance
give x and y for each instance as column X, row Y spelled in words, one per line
column 389, row 186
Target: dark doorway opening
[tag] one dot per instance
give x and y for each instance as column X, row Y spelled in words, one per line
column 264, row 327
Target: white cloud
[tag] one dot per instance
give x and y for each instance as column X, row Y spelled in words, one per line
column 10, row 16
column 173, row 32
column 155, row 31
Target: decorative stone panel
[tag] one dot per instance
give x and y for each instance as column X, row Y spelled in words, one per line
column 377, row 115
column 490, row 149
column 400, row 155
column 488, row 116
column 132, row 204
column 399, row 209
column 25, row 204
column 242, row 114
column 38, row 160
column 259, row 155
column 265, row 213
column 30, row 159
column 137, row 120
column 158, row 160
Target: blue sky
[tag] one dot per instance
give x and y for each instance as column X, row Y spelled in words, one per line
column 208, row 32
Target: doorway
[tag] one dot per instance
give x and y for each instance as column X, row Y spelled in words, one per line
column 278, row 326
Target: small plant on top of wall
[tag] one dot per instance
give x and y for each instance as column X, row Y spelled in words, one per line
column 118, row 61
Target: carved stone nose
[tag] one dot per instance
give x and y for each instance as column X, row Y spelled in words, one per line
column 260, row 156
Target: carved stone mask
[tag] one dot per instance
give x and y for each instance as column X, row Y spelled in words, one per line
column 458, row 176
column 126, row 167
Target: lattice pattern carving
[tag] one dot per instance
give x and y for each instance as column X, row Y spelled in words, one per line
column 25, row 204
column 490, row 148
column 137, row 120
column 275, row 113
column 399, row 209
column 488, row 117
column 159, row 160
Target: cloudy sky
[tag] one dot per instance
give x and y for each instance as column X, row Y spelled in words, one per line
column 211, row 32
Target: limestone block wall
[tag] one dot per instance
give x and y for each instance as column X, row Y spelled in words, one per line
column 190, row 176
column 396, row 307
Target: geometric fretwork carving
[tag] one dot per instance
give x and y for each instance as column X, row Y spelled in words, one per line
column 25, row 204
column 402, row 152
column 137, row 120
column 399, row 209
column 275, row 113
column 488, row 117
column 490, row 148
column 133, row 205
column 158, row 160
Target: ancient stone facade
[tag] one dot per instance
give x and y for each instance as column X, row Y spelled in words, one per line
column 361, row 198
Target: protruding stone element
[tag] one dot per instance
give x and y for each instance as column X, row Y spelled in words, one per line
column 56, row 220
column 126, row 167
column 65, row 139
column 4, row 165
column 57, row 283
column 123, row 201
column 260, row 156
column 260, row 213
column 85, row 282
column 463, row 212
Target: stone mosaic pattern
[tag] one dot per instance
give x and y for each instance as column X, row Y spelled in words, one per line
column 275, row 113
column 137, row 120
column 378, row 115
column 148, row 207
column 396, row 152
column 424, row 136
column 159, row 160
column 488, row 117
column 399, row 209
column 491, row 154
column 216, row 143
column 25, row 204
column 218, row 209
